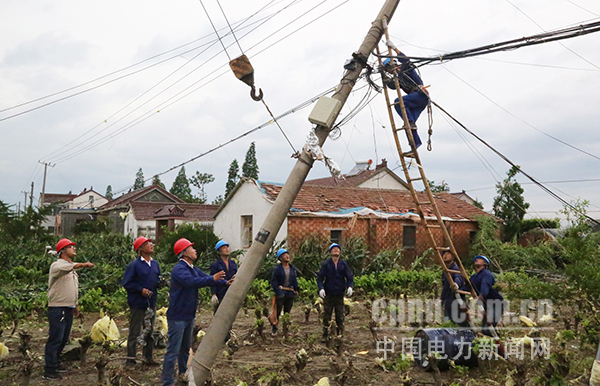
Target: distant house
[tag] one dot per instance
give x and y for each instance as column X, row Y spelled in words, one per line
column 144, row 211
column 464, row 196
column 361, row 176
column 384, row 218
column 74, row 207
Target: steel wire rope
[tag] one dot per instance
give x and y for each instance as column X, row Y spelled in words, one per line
column 215, row 29
column 282, row 115
column 113, row 73
column 125, row 128
column 540, row 27
column 133, row 101
column 231, row 29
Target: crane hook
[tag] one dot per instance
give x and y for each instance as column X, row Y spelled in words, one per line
column 253, row 95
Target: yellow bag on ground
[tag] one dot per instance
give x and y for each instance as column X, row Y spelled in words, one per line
column 105, row 329
column 3, row 351
column 161, row 325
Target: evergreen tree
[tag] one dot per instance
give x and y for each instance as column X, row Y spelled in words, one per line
column 181, row 186
column 200, row 180
column 232, row 177
column 250, row 166
column 156, row 181
column 510, row 204
column 139, row 180
column 108, row 194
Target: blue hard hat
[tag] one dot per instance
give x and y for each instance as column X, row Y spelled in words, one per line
column 281, row 252
column 220, row 244
column 481, row 257
column 387, row 61
column 334, row 245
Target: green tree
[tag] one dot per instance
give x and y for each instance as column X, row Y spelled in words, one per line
column 200, row 180
column 219, row 200
column 139, row 180
column 109, row 193
column 181, row 186
column 156, row 181
column 478, row 204
column 510, row 204
column 232, row 177
column 443, row 187
column 250, row 166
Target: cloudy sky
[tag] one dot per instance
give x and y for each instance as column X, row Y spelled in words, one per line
column 146, row 84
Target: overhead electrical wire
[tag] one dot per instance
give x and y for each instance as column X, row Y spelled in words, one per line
column 126, row 68
column 509, row 45
column 163, row 106
column 540, row 27
column 539, row 184
column 282, row 115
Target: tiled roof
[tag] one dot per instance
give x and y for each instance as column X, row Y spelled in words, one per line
column 355, row 180
column 131, row 196
column 315, row 198
column 192, row 212
column 50, row 198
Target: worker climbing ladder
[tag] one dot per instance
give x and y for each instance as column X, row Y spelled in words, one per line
column 425, row 198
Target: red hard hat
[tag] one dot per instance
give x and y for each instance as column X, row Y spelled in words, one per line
column 138, row 242
column 63, row 243
column 181, row 244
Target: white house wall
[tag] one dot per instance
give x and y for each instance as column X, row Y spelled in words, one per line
column 382, row 181
column 83, row 201
column 247, row 200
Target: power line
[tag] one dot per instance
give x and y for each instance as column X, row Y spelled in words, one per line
column 162, row 106
column 288, row 112
column 121, row 70
column 565, row 33
column 542, row 186
column 540, row 27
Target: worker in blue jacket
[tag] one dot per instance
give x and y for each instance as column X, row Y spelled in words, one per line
column 452, row 307
column 140, row 281
column 416, row 98
column 285, row 286
column 223, row 263
column 334, row 280
column 183, row 302
column 493, row 303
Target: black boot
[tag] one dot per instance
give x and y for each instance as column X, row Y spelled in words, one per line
column 325, row 337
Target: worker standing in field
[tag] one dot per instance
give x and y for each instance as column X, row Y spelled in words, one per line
column 334, row 279
column 493, row 303
column 285, row 287
column 183, row 302
column 63, row 288
column 140, row 281
column 223, row 263
column 452, row 307
column 417, row 96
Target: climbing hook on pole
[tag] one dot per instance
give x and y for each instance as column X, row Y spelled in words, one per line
column 243, row 70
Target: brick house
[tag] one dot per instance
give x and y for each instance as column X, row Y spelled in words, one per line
column 384, row 218
column 145, row 211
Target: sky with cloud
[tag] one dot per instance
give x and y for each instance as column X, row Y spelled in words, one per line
column 114, row 86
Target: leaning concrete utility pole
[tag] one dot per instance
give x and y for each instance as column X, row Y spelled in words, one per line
column 234, row 298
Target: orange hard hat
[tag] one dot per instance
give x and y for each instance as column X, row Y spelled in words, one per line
column 138, row 242
column 181, row 244
column 63, row 243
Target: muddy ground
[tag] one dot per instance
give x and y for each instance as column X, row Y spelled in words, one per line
column 256, row 359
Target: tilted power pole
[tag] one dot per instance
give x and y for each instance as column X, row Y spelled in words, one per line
column 221, row 323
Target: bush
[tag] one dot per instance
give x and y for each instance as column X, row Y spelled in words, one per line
column 204, row 242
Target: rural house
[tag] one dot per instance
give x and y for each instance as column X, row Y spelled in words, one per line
column 70, row 209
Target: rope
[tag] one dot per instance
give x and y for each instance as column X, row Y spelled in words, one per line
column 215, row 29
column 296, row 152
column 430, row 122
column 231, row 29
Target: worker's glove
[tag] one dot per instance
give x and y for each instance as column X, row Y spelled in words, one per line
column 454, row 287
column 349, row 291
column 322, row 294
column 214, row 300
column 390, row 44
